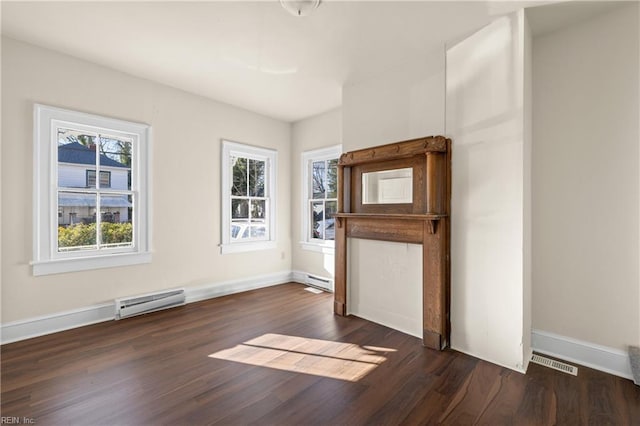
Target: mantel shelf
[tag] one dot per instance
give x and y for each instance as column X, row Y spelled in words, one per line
column 396, row 216
column 430, row 218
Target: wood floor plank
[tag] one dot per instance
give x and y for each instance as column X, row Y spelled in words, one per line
column 472, row 398
column 279, row 355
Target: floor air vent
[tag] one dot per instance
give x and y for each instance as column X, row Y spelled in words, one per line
column 556, row 365
column 148, row 303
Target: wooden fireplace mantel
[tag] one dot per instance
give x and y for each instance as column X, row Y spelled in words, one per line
column 424, row 221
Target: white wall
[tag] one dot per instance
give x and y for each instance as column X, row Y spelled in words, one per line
column 403, row 103
column 385, row 279
column 485, row 119
column 2, row 178
column 186, row 182
column 320, row 131
column 586, row 180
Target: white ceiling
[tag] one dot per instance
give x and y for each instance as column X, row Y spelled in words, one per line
column 253, row 55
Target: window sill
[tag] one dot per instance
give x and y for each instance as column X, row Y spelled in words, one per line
column 244, row 247
column 318, row 247
column 59, row 266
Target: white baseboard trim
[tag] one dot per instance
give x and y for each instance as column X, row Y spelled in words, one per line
column 61, row 321
column 299, row 276
column 218, row 289
column 603, row 358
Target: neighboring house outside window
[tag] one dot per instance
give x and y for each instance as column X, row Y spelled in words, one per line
column 82, row 223
column 319, row 198
column 248, row 198
column 75, row 159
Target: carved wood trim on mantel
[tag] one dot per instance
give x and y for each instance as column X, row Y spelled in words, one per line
column 425, row 221
column 395, row 151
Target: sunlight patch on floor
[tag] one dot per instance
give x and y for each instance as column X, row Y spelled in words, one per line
column 337, row 360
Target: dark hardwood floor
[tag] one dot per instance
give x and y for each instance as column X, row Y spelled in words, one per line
column 259, row 357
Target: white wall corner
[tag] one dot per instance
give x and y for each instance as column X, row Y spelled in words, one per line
column 298, row 276
column 638, row 312
column 527, row 263
column 603, row 358
column 528, row 353
column 61, row 321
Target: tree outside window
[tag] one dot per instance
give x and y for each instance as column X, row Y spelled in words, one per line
column 324, row 201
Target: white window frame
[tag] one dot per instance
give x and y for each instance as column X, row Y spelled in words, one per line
column 46, row 258
column 308, row 157
column 270, row 157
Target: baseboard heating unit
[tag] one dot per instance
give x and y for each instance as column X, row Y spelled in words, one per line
column 131, row 306
column 318, row 282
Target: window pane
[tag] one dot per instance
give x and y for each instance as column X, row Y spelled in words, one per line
column 239, row 209
column 76, row 221
column 318, row 174
column 239, row 176
column 317, row 219
column 116, row 153
column 257, row 170
column 332, row 179
column 259, row 231
column 235, row 230
column 330, row 208
column 76, row 152
column 116, row 229
column 240, row 230
column 258, row 209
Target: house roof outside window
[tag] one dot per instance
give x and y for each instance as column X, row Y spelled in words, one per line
column 82, row 200
column 79, row 154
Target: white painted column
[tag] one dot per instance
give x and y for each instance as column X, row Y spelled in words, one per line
column 485, row 119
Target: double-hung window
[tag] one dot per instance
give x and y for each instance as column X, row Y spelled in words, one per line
column 91, row 191
column 248, row 198
column 319, row 198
